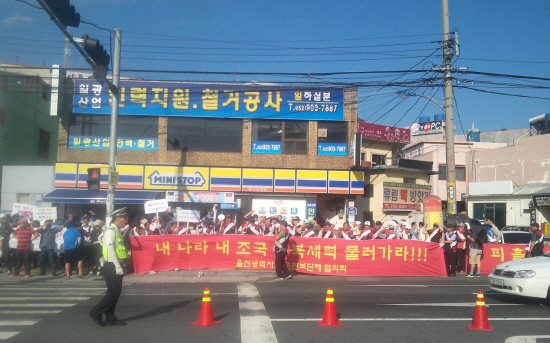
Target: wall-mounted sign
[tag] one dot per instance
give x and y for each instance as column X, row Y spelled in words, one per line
column 211, row 100
column 259, row 147
column 334, row 149
column 97, row 142
column 200, row 197
column 429, row 128
column 384, row 133
column 404, row 196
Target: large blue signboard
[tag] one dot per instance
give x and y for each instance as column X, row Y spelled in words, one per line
column 211, row 100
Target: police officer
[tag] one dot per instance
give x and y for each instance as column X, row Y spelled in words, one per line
column 281, row 245
column 114, row 253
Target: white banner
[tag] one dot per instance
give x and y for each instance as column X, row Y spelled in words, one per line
column 155, row 206
column 44, row 213
column 18, row 208
column 188, row 216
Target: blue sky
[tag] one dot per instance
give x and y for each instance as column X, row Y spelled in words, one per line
column 238, row 37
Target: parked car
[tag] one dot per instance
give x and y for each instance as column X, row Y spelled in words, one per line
column 516, row 228
column 528, row 277
column 514, row 236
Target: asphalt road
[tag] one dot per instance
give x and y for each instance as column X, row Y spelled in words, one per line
column 266, row 310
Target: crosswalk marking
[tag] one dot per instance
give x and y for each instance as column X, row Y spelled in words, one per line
column 19, row 322
column 31, row 312
column 7, row 334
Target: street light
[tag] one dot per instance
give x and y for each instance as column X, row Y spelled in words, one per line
column 450, row 152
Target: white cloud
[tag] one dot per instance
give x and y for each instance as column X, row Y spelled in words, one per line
column 17, row 19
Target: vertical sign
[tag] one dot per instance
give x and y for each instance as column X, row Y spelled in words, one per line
column 311, row 211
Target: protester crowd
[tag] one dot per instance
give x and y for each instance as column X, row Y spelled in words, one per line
column 75, row 244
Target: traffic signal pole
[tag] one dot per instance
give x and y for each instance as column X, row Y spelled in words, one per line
column 115, row 97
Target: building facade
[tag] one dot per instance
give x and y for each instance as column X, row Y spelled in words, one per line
column 272, row 149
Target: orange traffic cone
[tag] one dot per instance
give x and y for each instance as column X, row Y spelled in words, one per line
column 480, row 320
column 206, row 317
column 329, row 315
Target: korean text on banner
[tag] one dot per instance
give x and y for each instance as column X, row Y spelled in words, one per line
column 44, row 213
column 188, row 216
column 155, row 206
column 24, row 210
column 306, row 255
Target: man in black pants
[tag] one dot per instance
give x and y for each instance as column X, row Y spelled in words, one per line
column 114, row 253
column 281, row 245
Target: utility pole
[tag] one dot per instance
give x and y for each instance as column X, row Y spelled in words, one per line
column 449, row 120
column 115, row 97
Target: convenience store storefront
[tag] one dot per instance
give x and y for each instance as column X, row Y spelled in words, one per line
column 269, row 192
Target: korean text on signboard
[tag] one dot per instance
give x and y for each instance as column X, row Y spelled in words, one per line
column 404, row 196
column 212, row 100
column 428, row 128
column 96, row 142
column 383, row 133
column 334, row 149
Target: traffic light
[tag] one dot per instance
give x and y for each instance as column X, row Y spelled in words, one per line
column 64, row 11
column 94, row 178
column 96, row 51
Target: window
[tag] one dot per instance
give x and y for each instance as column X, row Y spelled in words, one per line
column 205, row 134
column 291, row 134
column 460, row 173
column 100, row 125
column 378, row 160
column 23, row 198
column 44, row 144
column 337, row 132
column 409, row 180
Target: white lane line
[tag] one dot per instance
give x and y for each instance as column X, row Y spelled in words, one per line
column 31, row 312
column 419, row 286
column 256, row 326
column 8, row 334
column 523, row 339
column 402, row 319
column 19, row 322
column 51, row 289
column 49, row 298
column 37, row 305
column 169, row 294
column 472, row 304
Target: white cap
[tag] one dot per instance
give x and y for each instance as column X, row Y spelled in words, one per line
column 367, row 223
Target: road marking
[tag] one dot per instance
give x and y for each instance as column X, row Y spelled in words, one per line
column 43, row 298
column 8, row 334
column 37, row 305
column 524, row 339
column 31, row 312
column 169, row 294
column 402, row 319
column 255, row 323
column 470, row 304
column 19, row 322
column 419, row 286
column 51, row 289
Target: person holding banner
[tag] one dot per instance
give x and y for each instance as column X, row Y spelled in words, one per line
column 326, row 232
column 227, row 226
column 281, row 245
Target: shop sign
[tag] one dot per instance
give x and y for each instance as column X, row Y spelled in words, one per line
column 542, row 200
column 384, row 133
column 404, row 196
column 211, row 100
column 186, row 178
column 230, row 206
column 429, row 128
column 311, row 209
column 200, row 197
column 333, row 149
column 98, row 142
column 261, row 147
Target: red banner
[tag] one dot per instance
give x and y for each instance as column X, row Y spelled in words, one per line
column 494, row 254
column 305, row 255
